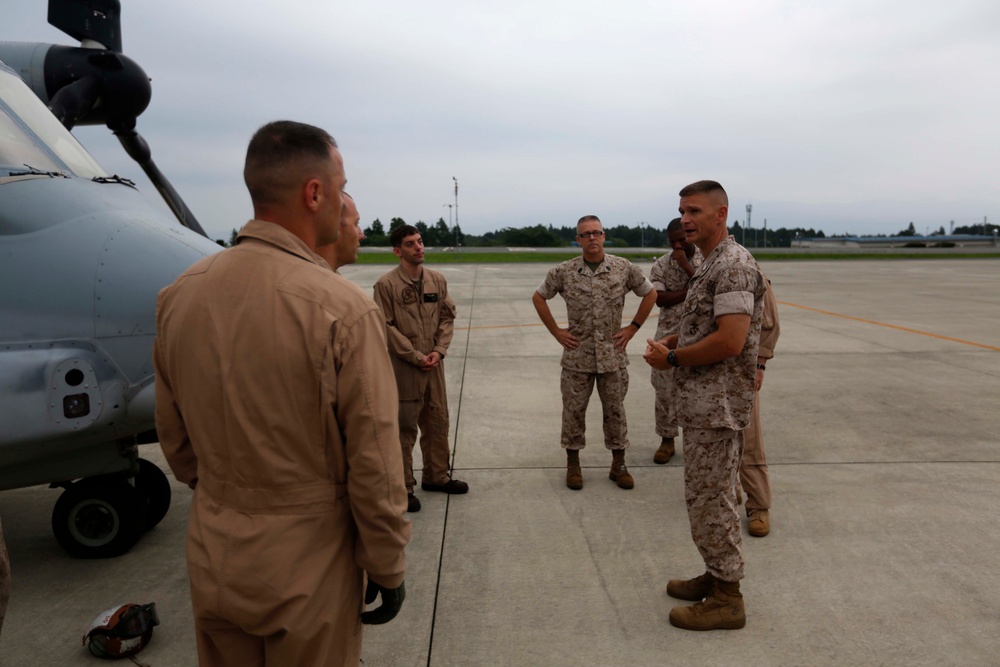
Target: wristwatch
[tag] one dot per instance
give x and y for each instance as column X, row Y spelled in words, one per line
column 672, row 359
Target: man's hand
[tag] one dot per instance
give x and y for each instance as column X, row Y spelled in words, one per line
column 656, row 353
column 622, row 338
column 566, row 339
column 682, row 261
column 430, row 361
column 760, row 379
column 392, row 600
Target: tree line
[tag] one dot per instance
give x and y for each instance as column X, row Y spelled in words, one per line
column 641, row 235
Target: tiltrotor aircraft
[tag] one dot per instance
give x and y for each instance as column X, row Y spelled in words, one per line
column 82, row 257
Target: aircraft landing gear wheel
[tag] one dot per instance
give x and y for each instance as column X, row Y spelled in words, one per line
column 99, row 518
column 154, row 487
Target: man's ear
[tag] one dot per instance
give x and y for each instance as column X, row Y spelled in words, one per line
column 311, row 193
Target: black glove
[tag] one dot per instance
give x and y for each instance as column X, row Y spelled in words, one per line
column 392, row 600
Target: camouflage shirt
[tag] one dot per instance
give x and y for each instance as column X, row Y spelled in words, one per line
column 668, row 276
column 720, row 395
column 594, row 304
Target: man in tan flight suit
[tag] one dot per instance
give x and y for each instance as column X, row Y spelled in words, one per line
column 594, row 287
column 753, row 467
column 714, row 355
column 275, row 403
column 670, row 275
column 420, row 322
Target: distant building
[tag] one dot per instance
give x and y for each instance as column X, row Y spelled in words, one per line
column 938, row 241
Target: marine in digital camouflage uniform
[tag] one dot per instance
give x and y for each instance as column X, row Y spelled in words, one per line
column 714, row 355
column 670, row 275
column 594, row 287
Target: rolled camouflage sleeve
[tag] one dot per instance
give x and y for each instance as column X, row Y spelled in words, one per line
column 552, row 284
column 637, row 282
column 658, row 275
column 735, row 293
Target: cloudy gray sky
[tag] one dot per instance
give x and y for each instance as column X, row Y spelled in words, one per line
column 846, row 116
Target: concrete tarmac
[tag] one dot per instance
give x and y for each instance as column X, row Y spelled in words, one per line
column 880, row 416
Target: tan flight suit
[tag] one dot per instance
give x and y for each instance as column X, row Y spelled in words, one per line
column 714, row 403
column 275, row 397
column 666, row 275
column 594, row 304
column 419, row 319
column 753, row 468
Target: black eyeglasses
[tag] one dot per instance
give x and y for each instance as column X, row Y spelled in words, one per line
column 592, row 235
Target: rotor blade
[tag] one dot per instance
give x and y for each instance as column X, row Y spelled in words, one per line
column 95, row 20
column 72, row 102
column 138, row 150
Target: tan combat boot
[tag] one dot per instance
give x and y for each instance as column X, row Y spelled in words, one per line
column 665, row 451
column 619, row 473
column 759, row 522
column 722, row 610
column 695, row 590
column 574, row 475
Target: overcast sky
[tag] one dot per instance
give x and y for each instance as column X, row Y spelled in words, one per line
column 846, row 116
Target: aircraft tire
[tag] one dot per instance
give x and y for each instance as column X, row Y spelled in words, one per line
column 99, row 517
column 154, row 487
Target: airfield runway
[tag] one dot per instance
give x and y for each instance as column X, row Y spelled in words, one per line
column 881, row 422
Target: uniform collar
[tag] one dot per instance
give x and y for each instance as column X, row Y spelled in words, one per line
column 724, row 243
column 278, row 236
column 406, row 276
column 581, row 264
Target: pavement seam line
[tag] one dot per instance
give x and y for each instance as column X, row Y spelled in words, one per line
column 447, row 503
column 892, row 326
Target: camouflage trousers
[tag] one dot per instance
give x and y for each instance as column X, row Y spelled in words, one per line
column 753, row 468
column 711, row 465
column 664, row 410
column 576, row 390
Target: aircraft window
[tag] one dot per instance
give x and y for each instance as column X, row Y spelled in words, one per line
column 29, row 110
column 17, row 149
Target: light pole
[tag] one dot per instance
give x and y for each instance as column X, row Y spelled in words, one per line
column 749, row 209
column 455, row 229
column 456, row 200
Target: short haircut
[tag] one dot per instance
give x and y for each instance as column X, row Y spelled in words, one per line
column 400, row 233
column 280, row 155
column 706, row 187
column 674, row 225
column 588, row 218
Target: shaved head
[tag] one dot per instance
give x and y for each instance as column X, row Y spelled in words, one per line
column 281, row 156
column 713, row 189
